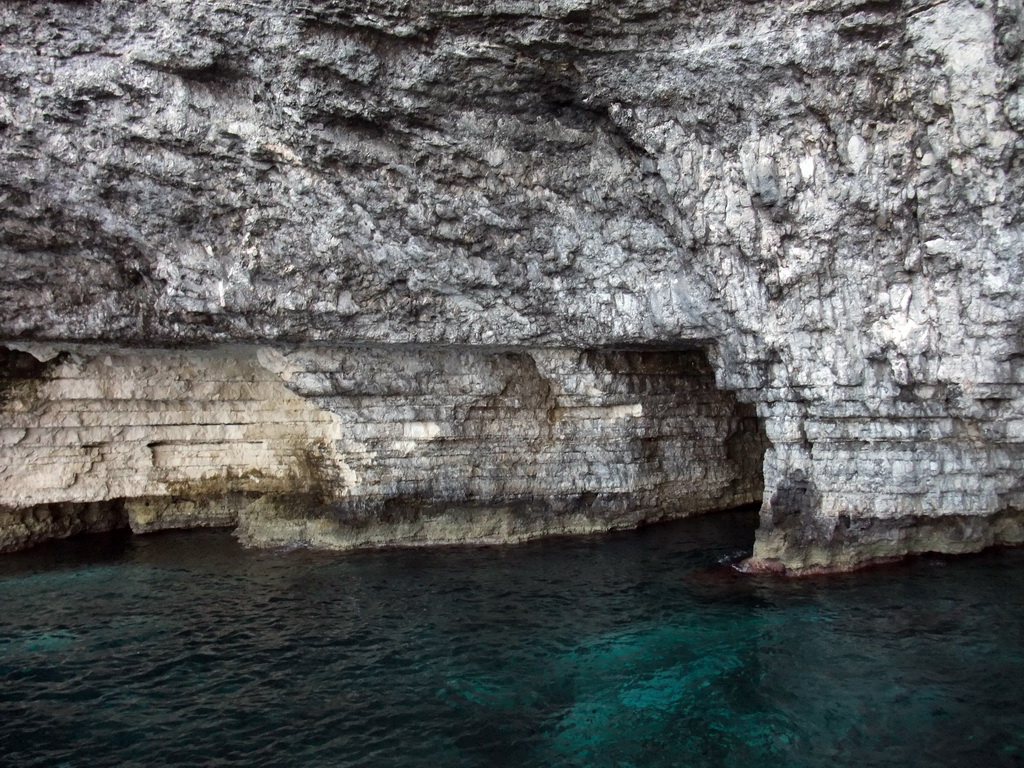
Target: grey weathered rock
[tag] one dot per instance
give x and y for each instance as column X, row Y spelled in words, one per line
column 825, row 195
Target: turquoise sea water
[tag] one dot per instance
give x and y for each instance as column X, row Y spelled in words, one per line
column 628, row 650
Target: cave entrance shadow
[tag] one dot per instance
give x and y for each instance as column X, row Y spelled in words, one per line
column 702, row 448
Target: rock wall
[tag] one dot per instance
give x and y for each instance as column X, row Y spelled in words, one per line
column 367, row 446
column 97, row 439
column 825, row 194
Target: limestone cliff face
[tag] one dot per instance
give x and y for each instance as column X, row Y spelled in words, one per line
column 368, row 446
column 824, row 195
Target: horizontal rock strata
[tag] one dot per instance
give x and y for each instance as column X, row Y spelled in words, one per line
column 367, row 446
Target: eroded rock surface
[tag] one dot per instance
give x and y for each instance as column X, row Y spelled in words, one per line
column 355, row 447
column 825, row 194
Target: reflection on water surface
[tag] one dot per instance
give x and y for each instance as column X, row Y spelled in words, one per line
column 633, row 649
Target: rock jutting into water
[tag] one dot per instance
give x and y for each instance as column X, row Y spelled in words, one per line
column 346, row 274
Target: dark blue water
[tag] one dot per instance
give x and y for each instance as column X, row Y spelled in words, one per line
column 624, row 650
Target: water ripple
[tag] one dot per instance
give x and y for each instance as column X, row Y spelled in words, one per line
column 635, row 649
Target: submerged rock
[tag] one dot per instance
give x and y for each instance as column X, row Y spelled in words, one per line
column 822, row 199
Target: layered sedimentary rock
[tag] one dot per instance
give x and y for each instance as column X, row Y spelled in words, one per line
column 823, row 195
column 369, row 446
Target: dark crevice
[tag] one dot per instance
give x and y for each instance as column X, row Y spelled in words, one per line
column 215, row 74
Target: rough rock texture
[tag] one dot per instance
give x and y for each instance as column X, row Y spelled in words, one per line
column 826, row 195
column 368, row 446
